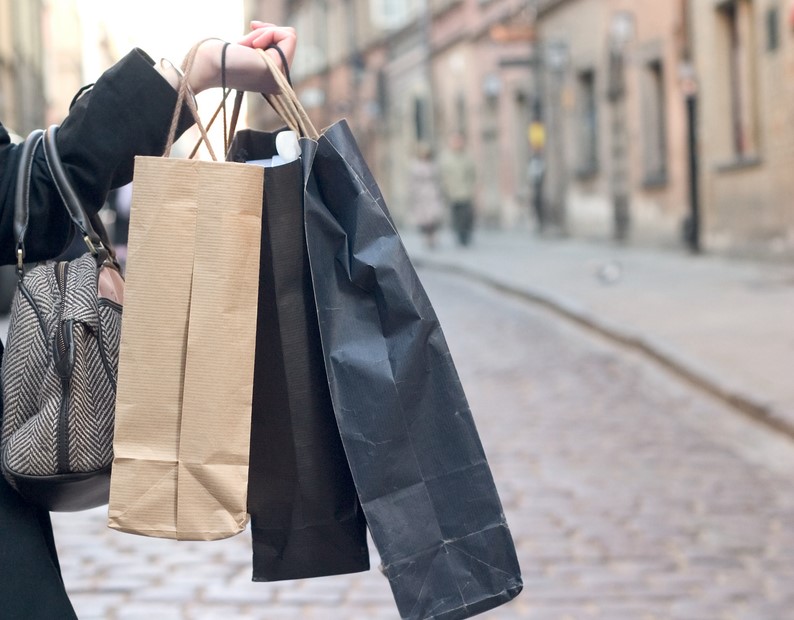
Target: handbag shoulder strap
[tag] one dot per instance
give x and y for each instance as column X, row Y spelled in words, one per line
column 22, row 194
column 68, row 195
column 91, row 229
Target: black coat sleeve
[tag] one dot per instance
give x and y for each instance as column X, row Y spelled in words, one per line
column 126, row 113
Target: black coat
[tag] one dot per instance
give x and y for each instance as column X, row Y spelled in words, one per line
column 126, row 113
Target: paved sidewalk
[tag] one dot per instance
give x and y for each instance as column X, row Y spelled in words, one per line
column 725, row 324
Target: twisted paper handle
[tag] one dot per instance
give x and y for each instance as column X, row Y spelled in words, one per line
column 185, row 96
column 286, row 103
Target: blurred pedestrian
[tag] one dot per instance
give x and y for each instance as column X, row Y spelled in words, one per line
column 459, row 177
column 126, row 113
column 427, row 201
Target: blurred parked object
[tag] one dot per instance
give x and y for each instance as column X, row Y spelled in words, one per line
column 8, row 273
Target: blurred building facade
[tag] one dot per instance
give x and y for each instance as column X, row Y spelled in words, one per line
column 403, row 80
column 744, row 54
column 616, row 118
column 659, row 122
column 40, row 61
column 22, row 87
column 63, row 56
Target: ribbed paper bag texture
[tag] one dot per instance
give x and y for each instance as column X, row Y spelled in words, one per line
column 183, row 410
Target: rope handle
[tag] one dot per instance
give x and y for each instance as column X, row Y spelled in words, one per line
column 227, row 138
column 185, row 96
column 294, row 117
column 284, row 62
column 286, row 103
column 225, row 94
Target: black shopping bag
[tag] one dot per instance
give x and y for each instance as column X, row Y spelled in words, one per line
column 417, row 462
column 305, row 516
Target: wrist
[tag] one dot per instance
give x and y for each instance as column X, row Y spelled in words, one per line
column 170, row 72
column 174, row 76
column 206, row 71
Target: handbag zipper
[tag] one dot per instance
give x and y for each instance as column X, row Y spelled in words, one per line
column 61, row 270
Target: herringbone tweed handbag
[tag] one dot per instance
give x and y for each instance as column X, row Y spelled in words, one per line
column 61, row 359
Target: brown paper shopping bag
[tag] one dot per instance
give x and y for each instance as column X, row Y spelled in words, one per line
column 183, row 409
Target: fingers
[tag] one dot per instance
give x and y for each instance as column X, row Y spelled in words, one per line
column 255, row 26
column 264, row 35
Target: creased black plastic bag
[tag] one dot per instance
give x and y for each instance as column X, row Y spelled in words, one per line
column 305, row 517
column 413, row 449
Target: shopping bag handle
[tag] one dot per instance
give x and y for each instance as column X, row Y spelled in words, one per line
column 286, row 103
column 185, row 96
column 228, row 132
column 293, row 114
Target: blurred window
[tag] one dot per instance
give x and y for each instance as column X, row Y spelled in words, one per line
column 311, row 57
column 461, row 124
column 736, row 22
column 390, row 14
column 773, row 29
column 588, row 124
column 320, row 31
column 421, row 119
column 654, row 121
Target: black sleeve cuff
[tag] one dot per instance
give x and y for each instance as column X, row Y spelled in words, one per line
column 127, row 113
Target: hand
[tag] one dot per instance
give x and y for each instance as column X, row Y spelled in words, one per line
column 245, row 68
column 264, row 35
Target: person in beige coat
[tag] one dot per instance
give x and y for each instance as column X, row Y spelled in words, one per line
column 427, row 201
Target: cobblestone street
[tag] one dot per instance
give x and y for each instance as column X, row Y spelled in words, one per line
column 630, row 495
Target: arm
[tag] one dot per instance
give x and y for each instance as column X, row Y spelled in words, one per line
column 123, row 115
column 126, row 113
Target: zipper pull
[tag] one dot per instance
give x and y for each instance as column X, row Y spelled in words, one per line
column 63, row 349
column 63, row 343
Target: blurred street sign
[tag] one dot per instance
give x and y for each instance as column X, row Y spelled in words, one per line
column 511, row 33
column 537, row 136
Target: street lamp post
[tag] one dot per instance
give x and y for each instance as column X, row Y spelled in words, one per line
column 426, row 26
column 689, row 86
column 621, row 32
column 688, row 82
column 537, row 131
column 557, row 62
